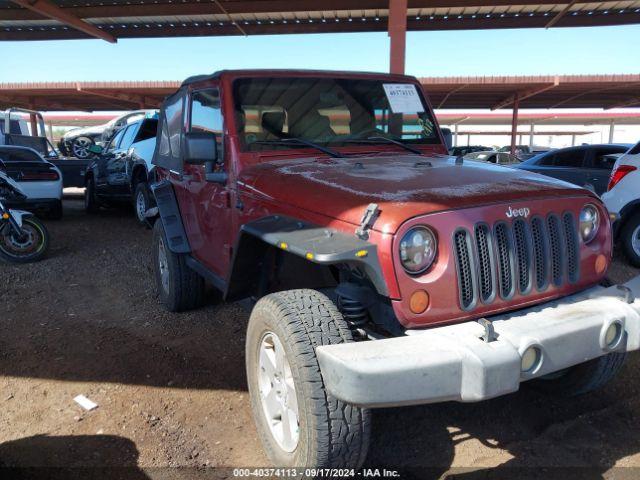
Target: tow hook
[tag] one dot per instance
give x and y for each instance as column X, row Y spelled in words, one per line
column 628, row 294
column 368, row 219
column 489, row 332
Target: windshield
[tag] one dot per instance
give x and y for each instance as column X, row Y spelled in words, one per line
column 329, row 112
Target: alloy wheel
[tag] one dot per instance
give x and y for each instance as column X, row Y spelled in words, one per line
column 141, row 206
column 278, row 393
column 80, row 147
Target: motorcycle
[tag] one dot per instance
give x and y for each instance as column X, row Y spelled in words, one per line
column 23, row 237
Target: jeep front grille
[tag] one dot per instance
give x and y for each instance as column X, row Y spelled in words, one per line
column 465, row 269
column 522, row 256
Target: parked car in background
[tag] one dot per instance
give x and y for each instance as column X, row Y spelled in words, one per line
column 462, row 151
column 588, row 166
column 499, row 158
column 38, row 179
column 524, row 152
column 622, row 199
column 78, row 141
column 122, row 169
column 17, row 131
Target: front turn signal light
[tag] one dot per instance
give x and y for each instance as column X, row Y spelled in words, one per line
column 419, row 301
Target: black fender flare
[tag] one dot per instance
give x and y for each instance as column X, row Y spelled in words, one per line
column 320, row 245
column 169, row 213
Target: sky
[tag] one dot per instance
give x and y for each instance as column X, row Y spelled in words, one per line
column 600, row 50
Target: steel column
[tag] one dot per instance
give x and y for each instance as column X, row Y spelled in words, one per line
column 612, row 127
column 398, row 35
column 514, row 123
column 531, row 134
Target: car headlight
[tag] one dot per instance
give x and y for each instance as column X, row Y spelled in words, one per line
column 589, row 223
column 418, row 249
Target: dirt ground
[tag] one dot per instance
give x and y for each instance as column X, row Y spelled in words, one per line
column 171, row 387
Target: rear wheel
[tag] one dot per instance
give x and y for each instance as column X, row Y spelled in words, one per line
column 28, row 246
column 630, row 238
column 584, row 378
column 299, row 422
column 179, row 287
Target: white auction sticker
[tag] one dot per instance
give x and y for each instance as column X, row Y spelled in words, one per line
column 403, row 98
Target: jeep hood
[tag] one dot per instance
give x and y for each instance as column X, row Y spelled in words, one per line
column 402, row 186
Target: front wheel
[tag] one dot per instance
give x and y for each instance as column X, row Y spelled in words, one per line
column 80, row 147
column 299, row 422
column 30, row 245
column 91, row 204
column 142, row 202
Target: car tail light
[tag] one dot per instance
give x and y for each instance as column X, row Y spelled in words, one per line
column 619, row 173
column 30, row 176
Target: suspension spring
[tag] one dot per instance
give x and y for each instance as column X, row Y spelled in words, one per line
column 353, row 311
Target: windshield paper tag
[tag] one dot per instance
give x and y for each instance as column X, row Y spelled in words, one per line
column 403, row 98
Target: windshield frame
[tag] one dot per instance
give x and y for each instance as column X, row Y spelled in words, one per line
column 280, row 149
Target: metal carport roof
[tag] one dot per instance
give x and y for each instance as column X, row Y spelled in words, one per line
column 574, row 91
column 113, row 19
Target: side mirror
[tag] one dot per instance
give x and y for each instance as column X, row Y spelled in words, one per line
column 200, row 148
column 448, row 138
column 96, row 149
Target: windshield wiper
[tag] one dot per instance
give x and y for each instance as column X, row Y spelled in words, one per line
column 300, row 141
column 377, row 139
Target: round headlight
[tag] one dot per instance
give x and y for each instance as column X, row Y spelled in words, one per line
column 589, row 223
column 418, row 249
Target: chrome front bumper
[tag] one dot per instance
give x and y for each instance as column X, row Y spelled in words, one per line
column 455, row 363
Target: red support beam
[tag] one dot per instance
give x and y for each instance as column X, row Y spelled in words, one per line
column 514, row 123
column 51, row 10
column 398, row 35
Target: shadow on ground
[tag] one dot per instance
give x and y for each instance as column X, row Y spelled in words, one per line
column 70, row 457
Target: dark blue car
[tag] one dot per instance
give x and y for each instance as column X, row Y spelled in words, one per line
column 588, row 166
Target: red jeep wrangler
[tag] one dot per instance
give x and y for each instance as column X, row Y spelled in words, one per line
column 386, row 272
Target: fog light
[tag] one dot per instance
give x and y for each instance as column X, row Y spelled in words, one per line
column 419, row 301
column 530, row 359
column 613, row 335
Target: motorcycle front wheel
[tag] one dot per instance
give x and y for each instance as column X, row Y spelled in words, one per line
column 29, row 246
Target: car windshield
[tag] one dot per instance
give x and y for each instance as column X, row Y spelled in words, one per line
column 330, row 112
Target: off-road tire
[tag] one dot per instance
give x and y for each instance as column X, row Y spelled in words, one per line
column 584, row 378
column 332, row 433
column 142, row 190
column 626, row 238
column 56, row 211
column 185, row 289
column 91, row 204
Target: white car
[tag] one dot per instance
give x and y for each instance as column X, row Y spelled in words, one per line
column 40, row 180
column 623, row 201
